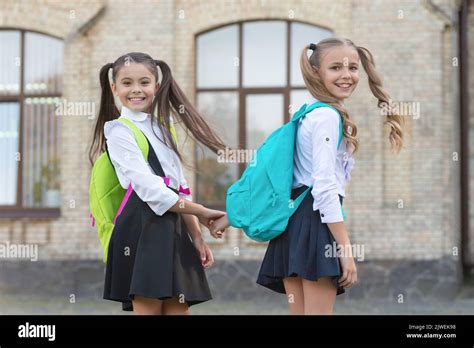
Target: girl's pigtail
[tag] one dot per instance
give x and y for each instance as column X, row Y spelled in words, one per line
column 169, row 96
column 396, row 122
column 108, row 111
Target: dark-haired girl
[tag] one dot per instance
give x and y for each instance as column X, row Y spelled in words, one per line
column 157, row 256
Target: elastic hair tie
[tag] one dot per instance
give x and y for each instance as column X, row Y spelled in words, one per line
column 160, row 74
column 110, row 71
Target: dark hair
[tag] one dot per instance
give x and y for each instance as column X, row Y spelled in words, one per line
column 169, row 99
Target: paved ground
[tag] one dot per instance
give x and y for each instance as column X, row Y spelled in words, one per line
column 11, row 304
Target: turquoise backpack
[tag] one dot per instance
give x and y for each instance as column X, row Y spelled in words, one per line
column 260, row 201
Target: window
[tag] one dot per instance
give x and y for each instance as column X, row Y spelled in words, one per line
column 248, row 76
column 30, row 86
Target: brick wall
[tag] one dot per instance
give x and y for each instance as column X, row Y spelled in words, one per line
column 412, row 51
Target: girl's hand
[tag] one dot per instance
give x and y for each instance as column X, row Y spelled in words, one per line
column 209, row 215
column 205, row 254
column 218, row 227
column 349, row 271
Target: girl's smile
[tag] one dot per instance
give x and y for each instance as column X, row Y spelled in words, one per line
column 344, row 86
column 137, row 100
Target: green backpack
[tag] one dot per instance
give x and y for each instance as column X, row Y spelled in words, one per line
column 105, row 192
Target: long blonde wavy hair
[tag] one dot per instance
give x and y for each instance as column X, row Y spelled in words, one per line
column 317, row 89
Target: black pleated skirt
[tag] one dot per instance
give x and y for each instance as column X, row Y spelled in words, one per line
column 152, row 256
column 300, row 250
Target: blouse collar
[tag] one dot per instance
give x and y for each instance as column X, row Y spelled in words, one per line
column 133, row 115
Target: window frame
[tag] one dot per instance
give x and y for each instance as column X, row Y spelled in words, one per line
column 244, row 91
column 18, row 210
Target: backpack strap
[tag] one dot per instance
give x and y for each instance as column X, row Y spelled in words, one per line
column 173, row 134
column 155, row 164
column 173, row 131
column 299, row 114
column 302, row 113
column 147, row 150
column 142, row 141
column 305, row 109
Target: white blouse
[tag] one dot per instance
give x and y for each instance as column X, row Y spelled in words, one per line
column 319, row 163
column 132, row 168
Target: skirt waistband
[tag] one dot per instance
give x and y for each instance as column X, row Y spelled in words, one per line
column 299, row 190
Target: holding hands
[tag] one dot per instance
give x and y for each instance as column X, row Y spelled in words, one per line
column 215, row 220
column 219, row 226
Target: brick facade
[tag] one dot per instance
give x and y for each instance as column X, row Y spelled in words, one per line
column 413, row 48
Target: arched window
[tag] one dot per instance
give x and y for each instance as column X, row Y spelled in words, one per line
column 31, row 67
column 247, row 76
